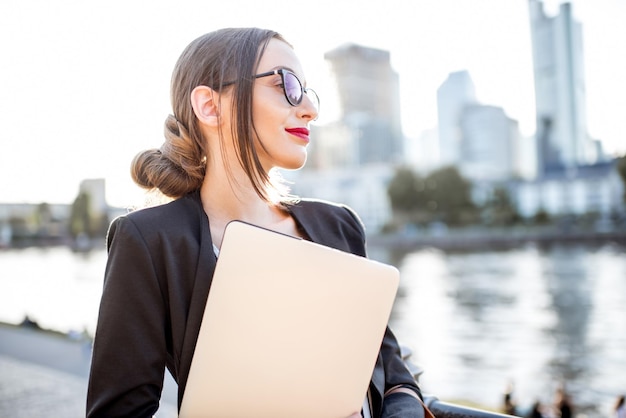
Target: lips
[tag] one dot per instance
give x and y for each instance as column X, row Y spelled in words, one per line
column 302, row 133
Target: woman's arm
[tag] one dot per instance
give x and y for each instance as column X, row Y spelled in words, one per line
column 129, row 354
column 402, row 394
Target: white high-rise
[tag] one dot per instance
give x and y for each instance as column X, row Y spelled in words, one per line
column 453, row 96
column 562, row 136
column 489, row 143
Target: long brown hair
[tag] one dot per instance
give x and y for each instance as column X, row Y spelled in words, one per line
column 226, row 58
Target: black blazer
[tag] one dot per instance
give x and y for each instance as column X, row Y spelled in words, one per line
column 157, row 279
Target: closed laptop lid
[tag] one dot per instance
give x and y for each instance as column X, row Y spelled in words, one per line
column 291, row 329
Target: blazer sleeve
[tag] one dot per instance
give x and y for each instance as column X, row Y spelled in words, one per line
column 129, row 352
column 398, row 405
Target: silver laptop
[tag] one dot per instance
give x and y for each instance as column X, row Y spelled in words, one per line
column 291, row 329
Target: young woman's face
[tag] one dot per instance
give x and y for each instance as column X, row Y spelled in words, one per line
column 282, row 129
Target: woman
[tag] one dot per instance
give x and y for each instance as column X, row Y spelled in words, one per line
column 240, row 110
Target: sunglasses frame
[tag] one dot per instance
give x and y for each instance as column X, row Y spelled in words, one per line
column 303, row 90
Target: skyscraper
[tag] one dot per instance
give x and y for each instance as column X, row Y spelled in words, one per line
column 453, row 96
column 368, row 89
column 352, row 158
column 562, row 137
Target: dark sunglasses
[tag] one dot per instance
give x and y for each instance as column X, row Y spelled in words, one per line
column 292, row 87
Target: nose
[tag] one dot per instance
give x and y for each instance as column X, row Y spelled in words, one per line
column 307, row 108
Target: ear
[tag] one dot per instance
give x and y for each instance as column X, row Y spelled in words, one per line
column 205, row 103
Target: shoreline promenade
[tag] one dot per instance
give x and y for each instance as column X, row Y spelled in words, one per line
column 44, row 374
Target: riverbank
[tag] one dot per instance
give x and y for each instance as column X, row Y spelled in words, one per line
column 44, row 373
column 474, row 237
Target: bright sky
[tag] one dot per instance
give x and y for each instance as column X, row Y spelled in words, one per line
column 84, row 85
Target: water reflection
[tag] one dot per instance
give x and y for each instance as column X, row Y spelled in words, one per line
column 569, row 286
column 536, row 317
column 56, row 287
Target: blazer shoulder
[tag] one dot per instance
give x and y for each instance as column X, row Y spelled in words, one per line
column 180, row 216
column 332, row 224
column 338, row 212
column 173, row 213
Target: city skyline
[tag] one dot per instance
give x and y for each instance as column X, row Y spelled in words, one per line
column 85, row 87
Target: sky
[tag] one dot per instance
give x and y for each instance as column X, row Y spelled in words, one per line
column 84, row 85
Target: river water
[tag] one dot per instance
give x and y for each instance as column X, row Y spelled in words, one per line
column 531, row 317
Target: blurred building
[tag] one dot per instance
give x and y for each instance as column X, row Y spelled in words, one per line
column 369, row 128
column 364, row 190
column 563, row 139
column 454, row 94
column 594, row 188
column 351, row 160
column 573, row 175
column 480, row 140
column 96, row 190
column 422, row 152
column 488, row 145
column 52, row 221
column 559, row 171
column 32, row 220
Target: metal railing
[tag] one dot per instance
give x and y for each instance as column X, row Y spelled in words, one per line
column 448, row 410
column 445, row 409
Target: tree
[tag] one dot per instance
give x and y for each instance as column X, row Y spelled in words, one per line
column 541, row 217
column 43, row 218
column 80, row 216
column 402, row 190
column 442, row 196
column 499, row 210
column 448, row 197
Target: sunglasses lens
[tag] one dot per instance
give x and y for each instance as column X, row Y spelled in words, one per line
column 293, row 88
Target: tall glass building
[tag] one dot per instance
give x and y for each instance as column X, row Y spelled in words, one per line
column 562, row 135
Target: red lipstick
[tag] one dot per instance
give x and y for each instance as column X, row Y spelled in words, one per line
column 302, row 133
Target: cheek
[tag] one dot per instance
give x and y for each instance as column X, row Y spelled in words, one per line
column 270, row 125
column 269, row 108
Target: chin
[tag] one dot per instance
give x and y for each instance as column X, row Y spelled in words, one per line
column 293, row 166
column 294, row 163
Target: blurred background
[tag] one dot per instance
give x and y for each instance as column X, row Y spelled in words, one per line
column 479, row 141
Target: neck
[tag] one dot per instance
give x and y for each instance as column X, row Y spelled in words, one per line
column 227, row 194
column 225, row 199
